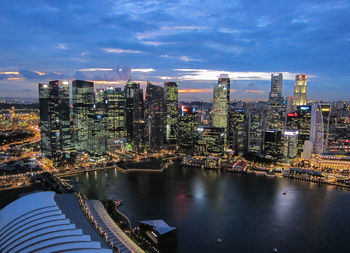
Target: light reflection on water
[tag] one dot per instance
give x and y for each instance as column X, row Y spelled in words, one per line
column 249, row 213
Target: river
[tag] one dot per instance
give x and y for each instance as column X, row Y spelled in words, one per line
column 248, row 213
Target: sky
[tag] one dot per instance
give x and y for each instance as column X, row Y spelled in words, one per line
column 190, row 41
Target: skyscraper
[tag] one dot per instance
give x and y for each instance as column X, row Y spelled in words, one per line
column 44, row 95
column 115, row 112
column 83, row 101
column 56, row 126
column 221, row 102
column 237, row 131
column 134, row 115
column 300, row 90
column 154, row 114
column 171, row 112
column 255, row 132
column 188, row 122
column 275, row 119
column 210, row 140
column 276, row 86
column 304, row 123
column 320, row 116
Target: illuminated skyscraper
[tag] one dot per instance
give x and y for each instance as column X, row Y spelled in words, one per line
column 44, row 94
column 83, row 102
column 210, row 140
column 255, row 132
column 320, row 116
column 275, row 119
column 171, row 112
column 115, row 111
column 276, row 86
column 154, row 115
column 134, row 115
column 56, row 127
column 304, row 123
column 300, row 90
column 221, row 102
column 237, row 131
column 188, row 122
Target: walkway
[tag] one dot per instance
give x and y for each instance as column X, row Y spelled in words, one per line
column 107, row 226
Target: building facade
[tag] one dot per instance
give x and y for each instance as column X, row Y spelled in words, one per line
column 171, row 113
column 300, row 90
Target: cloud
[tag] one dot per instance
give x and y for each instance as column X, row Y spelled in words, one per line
column 263, row 21
column 106, row 74
column 143, row 70
column 224, row 48
column 120, row 51
column 62, row 46
column 212, row 75
column 181, row 58
column 254, row 91
column 169, row 30
column 157, row 43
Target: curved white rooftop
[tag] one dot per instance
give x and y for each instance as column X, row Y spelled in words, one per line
column 46, row 222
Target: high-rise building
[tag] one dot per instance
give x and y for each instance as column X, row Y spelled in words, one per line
column 98, row 135
column 237, row 131
column 275, row 119
column 300, row 90
column 134, row 115
column 273, row 144
column 320, row 117
column 154, row 114
column 115, row 112
column 304, row 123
column 276, row 86
column 83, row 98
column 171, row 112
column 56, row 126
column 44, row 95
column 188, row 122
column 210, row 140
column 221, row 102
column 290, row 143
column 255, row 132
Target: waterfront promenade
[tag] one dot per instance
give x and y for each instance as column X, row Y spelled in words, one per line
column 107, row 227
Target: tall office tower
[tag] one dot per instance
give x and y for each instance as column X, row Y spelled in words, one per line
column 83, row 103
column 44, row 95
column 273, row 144
column 98, row 134
column 275, row 119
column 276, row 86
column 290, row 105
column 188, row 122
column 292, row 121
column 134, row 115
column 255, row 132
column 290, row 144
column 304, row 117
column 171, row 112
column 320, row 116
column 300, row 90
column 276, row 112
column 210, row 140
column 237, row 131
column 58, row 131
column 154, row 112
column 115, row 112
column 221, row 102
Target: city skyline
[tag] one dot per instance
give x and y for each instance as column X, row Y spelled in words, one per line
column 178, row 42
